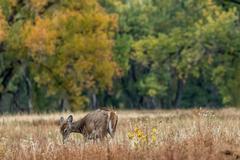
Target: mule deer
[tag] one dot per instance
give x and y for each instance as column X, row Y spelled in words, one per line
column 94, row 125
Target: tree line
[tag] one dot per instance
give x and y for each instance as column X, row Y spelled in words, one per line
column 60, row 55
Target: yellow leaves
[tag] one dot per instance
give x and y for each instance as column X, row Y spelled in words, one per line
column 81, row 5
column 90, row 82
column 74, row 42
column 105, row 72
column 210, row 19
column 209, row 2
column 37, row 5
column 73, row 87
column 77, row 102
column 105, row 22
column 37, row 78
column 13, row 3
column 213, row 12
column 88, row 39
column 152, row 92
column 3, row 27
column 63, row 17
column 41, row 37
column 85, row 23
column 215, row 20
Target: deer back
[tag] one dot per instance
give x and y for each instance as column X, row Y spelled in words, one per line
column 95, row 124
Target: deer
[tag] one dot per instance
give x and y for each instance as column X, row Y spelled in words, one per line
column 95, row 125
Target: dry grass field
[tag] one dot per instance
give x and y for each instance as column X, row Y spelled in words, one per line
column 151, row 135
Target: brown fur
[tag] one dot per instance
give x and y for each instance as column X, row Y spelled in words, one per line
column 94, row 125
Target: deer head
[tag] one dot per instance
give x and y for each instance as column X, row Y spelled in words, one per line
column 66, row 127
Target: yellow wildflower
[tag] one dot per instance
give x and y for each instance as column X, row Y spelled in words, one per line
column 154, row 130
column 154, row 138
column 144, row 138
column 130, row 135
column 140, row 134
column 136, row 130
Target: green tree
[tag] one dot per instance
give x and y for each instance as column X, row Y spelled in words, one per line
column 173, row 43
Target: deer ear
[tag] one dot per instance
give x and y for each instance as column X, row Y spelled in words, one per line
column 61, row 120
column 70, row 119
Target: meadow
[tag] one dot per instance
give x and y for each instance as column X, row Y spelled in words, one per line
column 143, row 135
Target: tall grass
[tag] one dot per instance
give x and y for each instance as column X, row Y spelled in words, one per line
column 159, row 134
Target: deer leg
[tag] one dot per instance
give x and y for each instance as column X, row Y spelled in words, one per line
column 85, row 139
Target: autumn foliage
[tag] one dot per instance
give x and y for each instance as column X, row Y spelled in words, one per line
column 66, row 46
column 3, row 27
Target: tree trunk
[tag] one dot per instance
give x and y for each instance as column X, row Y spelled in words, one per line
column 29, row 93
column 153, row 102
column 93, row 101
column 106, row 97
column 6, row 75
column 179, row 92
column 29, row 88
column 61, row 105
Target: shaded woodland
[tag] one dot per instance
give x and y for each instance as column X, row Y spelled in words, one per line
column 58, row 55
